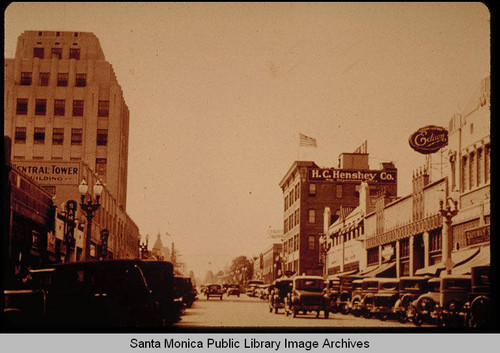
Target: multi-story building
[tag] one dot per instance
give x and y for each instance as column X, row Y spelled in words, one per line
column 68, row 121
column 270, row 262
column 444, row 225
column 309, row 189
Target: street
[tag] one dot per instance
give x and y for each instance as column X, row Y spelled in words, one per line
column 247, row 311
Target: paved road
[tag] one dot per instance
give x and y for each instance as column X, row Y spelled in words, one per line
column 246, row 311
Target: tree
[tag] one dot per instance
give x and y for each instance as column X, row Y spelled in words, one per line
column 242, row 269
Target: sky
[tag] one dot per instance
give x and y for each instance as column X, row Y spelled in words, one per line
column 219, row 92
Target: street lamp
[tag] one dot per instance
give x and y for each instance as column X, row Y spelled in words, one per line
column 448, row 213
column 89, row 207
column 143, row 248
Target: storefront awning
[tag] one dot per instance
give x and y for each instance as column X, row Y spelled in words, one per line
column 387, row 269
column 458, row 259
column 482, row 258
column 341, row 274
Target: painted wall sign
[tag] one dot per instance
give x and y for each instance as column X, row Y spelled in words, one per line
column 50, row 173
column 429, row 139
column 478, row 235
column 345, row 175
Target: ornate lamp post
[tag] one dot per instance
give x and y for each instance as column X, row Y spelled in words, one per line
column 89, row 207
column 325, row 246
column 143, row 248
column 447, row 213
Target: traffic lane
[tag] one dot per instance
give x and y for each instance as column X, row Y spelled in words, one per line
column 247, row 311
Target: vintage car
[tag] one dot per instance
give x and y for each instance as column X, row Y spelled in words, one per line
column 279, row 291
column 264, row 292
column 363, row 296
column 385, row 298
column 251, row 287
column 214, row 290
column 110, row 293
column 444, row 303
column 410, row 288
column 185, row 290
column 332, row 291
column 233, row 289
column 346, row 288
column 307, row 295
column 478, row 306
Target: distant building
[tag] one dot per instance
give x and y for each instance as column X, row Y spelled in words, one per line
column 159, row 251
column 308, row 189
column 270, row 262
column 66, row 115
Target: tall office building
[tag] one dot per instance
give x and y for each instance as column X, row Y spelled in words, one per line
column 68, row 121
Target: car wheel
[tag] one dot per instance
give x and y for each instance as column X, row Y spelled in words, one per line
column 402, row 317
column 270, row 309
column 417, row 320
column 345, row 310
column 276, row 310
column 327, row 313
column 383, row 317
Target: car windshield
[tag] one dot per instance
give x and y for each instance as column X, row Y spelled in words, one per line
column 411, row 284
column 435, row 286
column 214, row 287
column 315, row 285
column 389, row 285
column 457, row 283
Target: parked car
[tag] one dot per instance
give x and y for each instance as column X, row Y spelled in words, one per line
column 111, row 293
column 444, row 303
column 385, row 298
column 478, row 307
column 278, row 293
column 264, row 292
column 346, row 289
column 307, row 295
column 233, row 289
column 214, row 290
column 363, row 296
column 410, row 288
column 252, row 284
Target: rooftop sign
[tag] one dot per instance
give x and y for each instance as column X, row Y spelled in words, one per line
column 50, row 173
column 429, row 139
column 344, row 175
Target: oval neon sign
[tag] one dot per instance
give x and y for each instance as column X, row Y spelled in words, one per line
column 429, row 139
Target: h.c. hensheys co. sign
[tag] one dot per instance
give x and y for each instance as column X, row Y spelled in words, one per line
column 429, row 139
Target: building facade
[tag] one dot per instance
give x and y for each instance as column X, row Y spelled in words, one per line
column 444, row 225
column 309, row 189
column 270, row 262
column 68, row 121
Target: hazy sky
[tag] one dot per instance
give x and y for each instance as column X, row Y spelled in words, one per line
column 218, row 93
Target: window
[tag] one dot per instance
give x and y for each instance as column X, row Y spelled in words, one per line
column 25, row 78
column 20, row 136
column 480, row 166
column 290, row 222
column 487, row 163
column 286, row 202
column 103, row 109
column 472, row 172
column 297, row 217
column 404, row 246
column 102, row 137
column 62, row 79
column 435, row 241
column 311, row 242
column 312, row 216
column 39, row 135
column 59, row 107
column 338, row 191
column 22, row 106
column 76, row 136
column 74, row 53
column 58, row 136
column 78, row 108
column 290, row 197
column 100, row 166
column 81, row 80
column 464, row 173
column 40, row 107
column 453, row 172
column 57, row 53
column 312, row 189
column 38, row 53
column 44, row 78
column 297, row 192
column 372, row 256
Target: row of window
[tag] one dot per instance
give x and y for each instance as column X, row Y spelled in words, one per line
column 292, row 221
column 44, row 79
column 58, row 136
column 475, row 168
column 74, row 53
column 291, row 244
column 292, row 196
column 352, row 234
column 59, row 107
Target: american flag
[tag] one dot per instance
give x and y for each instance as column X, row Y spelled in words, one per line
column 307, row 141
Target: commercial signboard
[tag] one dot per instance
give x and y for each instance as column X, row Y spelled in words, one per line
column 346, row 175
column 50, row 172
column 429, row 139
column 478, row 235
column 275, row 233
